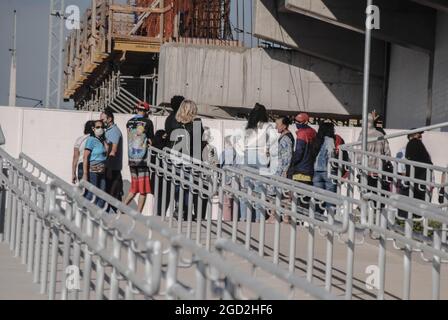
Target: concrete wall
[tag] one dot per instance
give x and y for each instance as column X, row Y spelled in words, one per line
column 48, row 136
column 407, row 99
column 394, row 17
column 315, row 37
column 281, row 79
column 440, row 82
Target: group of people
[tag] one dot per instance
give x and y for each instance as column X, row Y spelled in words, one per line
column 302, row 156
column 98, row 156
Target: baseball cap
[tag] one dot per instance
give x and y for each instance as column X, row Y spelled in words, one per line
column 142, row 105
column 302, row 117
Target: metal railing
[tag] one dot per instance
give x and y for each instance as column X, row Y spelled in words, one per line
column 413, row 223
column 318, row 214
column 47, row 220
column 55, row 230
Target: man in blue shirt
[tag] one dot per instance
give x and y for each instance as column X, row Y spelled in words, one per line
column 114, row 164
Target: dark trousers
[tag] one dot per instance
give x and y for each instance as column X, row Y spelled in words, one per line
column 114, row 186
column 197, row 199
column 160, row 194
column 418, row 194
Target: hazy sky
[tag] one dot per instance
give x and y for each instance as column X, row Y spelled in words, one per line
column 32, row 45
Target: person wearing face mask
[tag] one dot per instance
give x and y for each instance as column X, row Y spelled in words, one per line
column 114, row 164
column 94, row 162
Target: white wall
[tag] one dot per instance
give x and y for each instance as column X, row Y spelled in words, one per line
column 440, row 82
column 48, row 136
column 408, row 88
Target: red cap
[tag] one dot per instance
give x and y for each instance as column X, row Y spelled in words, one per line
column 142, row 105
column 302, row 117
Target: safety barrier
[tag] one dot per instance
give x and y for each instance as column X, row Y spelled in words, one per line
column 317, row 213
column 394, row 210
column 48, row 220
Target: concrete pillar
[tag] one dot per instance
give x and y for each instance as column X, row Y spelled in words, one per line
column 407, row 102
column 440, row 80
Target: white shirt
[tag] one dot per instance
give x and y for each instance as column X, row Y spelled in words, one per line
column 80, row 144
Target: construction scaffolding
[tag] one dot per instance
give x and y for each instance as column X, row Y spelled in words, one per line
column 127, row 39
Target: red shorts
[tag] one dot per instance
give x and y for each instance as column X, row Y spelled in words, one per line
column 140, row 180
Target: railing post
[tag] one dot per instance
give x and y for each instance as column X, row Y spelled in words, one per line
column 32, row 233
column 382, row 255
column 8, row 204
column 436, row 266
column 171, row 275
column 19, row 218
column 39, row 228
column 14, row 210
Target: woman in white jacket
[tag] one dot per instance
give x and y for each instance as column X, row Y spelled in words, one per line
column 259, row 141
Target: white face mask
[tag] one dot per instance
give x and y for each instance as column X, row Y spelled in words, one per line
column 99, row 132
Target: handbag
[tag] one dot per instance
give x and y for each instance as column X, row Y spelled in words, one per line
column 99, row 168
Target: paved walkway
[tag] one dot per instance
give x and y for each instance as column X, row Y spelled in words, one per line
column 15, row 282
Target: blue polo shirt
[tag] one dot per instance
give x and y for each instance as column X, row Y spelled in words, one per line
column 114, row 136
column 97, row 149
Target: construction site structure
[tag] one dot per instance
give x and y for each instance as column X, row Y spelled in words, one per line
column 112, row 59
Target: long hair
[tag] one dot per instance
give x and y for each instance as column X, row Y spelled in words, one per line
column 256, row 116
column 88, row 127
column 326, row 129
column 188, row 110
column 94, row 122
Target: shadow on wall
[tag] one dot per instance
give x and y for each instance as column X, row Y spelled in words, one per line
column 329, row 71
column 317, row 85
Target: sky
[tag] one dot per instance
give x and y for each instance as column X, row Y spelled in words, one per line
column 32, row 45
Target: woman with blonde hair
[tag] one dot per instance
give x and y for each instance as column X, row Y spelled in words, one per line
column 187, row 139
column 187, row 135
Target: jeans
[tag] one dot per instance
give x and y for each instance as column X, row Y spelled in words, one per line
column 99, row 181
column 322, row 181
column 243, row 205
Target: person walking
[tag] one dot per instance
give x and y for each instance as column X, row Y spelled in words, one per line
column 78, row 152
column 416, row 151
column 94, row 161
column 256, row 153
column 378, row 147
column 140, row 130
column 322, row 149
column 114, row 164
column 302, row 163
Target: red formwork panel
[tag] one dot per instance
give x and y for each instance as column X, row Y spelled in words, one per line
column 189, row 18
